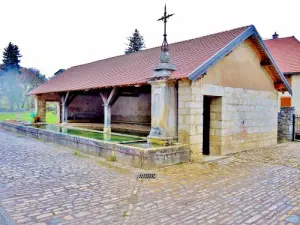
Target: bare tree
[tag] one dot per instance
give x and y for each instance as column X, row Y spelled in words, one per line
column 15, row 85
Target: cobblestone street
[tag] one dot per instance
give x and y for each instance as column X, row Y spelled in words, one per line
column 43, row 183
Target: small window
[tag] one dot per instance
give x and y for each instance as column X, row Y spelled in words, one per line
column 285, row 102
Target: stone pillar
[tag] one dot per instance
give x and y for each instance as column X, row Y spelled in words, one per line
column 36, row 105
column 163, row 112
column 285, row 124
column 40, row 108
column 190, row 117
column 107, row 118
column 163, row 100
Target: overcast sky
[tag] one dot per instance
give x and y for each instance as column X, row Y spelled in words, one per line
column 56, row 34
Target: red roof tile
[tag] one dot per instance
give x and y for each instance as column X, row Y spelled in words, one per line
column 286, row 52
column 137, row 68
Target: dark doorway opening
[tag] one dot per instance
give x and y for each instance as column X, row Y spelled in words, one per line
column 296, row 127
column 206, row 124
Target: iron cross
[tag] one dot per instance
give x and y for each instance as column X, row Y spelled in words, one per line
column 165, row 20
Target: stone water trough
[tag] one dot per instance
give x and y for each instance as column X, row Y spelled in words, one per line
column 136, row 153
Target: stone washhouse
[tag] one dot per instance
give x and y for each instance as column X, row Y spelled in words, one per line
column 218, row 94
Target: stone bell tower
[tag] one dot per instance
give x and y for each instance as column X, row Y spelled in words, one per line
column 163, row 96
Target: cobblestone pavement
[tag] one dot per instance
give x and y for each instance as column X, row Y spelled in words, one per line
column 43, row 183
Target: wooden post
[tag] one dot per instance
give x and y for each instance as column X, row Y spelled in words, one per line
column 64, row 110
column 107, row 118
column 66, row 113
column 107, row 109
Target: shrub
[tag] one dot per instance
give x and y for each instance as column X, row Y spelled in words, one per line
column 112, row 158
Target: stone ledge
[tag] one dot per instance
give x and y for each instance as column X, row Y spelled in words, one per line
column 145, row 158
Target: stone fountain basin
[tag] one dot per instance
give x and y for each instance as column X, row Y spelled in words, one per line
column 134, row 153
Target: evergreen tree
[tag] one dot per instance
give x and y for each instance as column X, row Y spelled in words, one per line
column 10, row 72
column 11, row 57
column 136, row 42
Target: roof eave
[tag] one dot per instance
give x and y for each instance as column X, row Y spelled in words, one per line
column 291, row 73
column 287, row 85
column 34, row 92
column 202, row 69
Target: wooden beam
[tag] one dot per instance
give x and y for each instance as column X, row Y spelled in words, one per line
column 112, row 95
column 66, row 98
column 104, row 98
column 265, row 62
column 279, row 86
column 250, row 42
column 129, row 94
column 259, row 55
column 271, row 74
column 108, row 100
column 71, row 98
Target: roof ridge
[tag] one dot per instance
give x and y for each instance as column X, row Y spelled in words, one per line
column 271, row 39
column 178, row 42
column 296, row 38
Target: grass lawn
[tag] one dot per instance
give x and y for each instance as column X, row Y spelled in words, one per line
column 25, row 116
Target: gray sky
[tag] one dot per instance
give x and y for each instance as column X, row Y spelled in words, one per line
column 56, row 34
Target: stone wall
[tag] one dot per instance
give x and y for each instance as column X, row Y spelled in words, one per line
column 241, row 119
column 85, row 107
column 240, row 69
column 190, row 119
column 215, row 126
column 132, row 109
column 136, row 156
column 243, row 109
column 296, row 93
column 285, row 124
column 249, row 119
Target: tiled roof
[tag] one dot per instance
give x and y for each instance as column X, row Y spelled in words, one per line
column 286, row 52
column 137, row 68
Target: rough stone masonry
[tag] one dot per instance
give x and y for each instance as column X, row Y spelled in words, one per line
column 285, row 124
